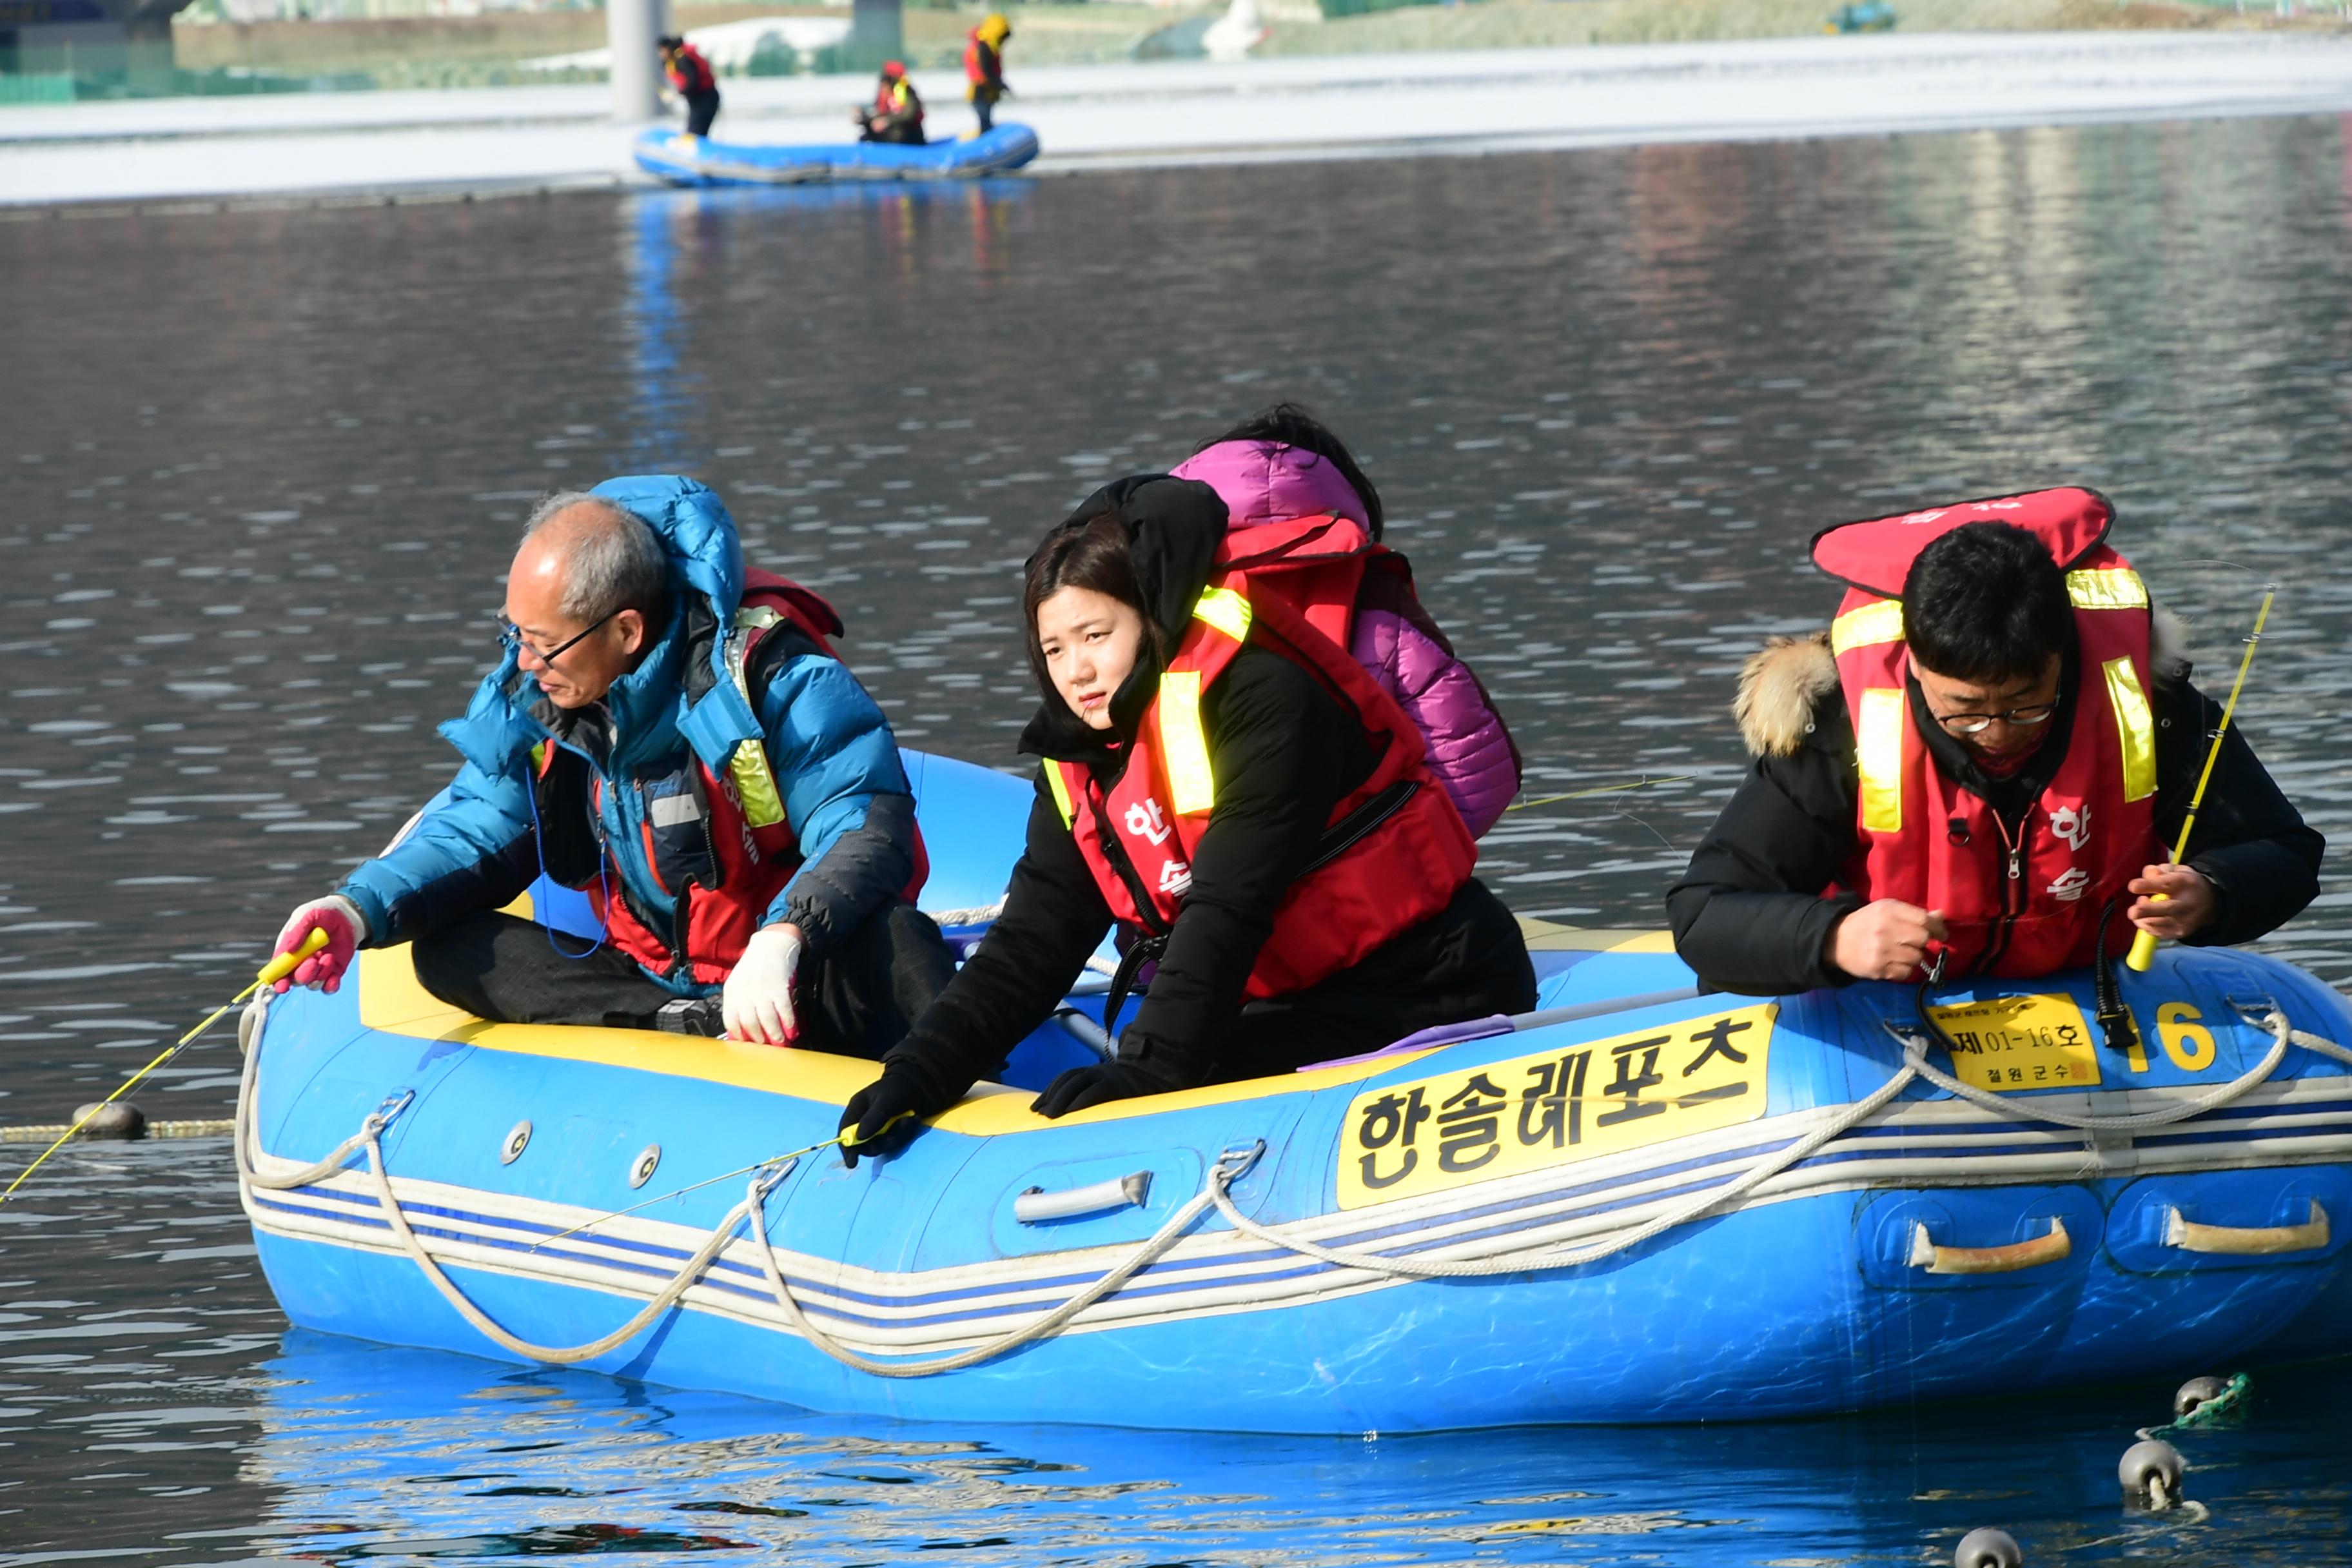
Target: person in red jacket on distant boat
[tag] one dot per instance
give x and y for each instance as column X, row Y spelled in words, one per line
column 983, row 67
column 691, row 78
column 1229, row 788
column 1976, row 769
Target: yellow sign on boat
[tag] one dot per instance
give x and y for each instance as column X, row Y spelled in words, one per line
column 2019, row 1043
column 1569, row 1103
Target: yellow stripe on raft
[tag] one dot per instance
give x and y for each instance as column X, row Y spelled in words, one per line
column 393, row 1003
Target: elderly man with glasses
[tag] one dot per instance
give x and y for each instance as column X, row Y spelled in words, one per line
column 1977, row 768
column 671, row 733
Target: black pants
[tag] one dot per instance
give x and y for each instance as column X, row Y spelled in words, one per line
column 701, row 108
column 857, row 1000
column 983, row 103
column 1465, row 961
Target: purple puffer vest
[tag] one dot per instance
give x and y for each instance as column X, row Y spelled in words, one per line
column 1470, row 750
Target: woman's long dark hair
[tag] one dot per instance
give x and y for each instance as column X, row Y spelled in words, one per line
column 1099, row 555
column 1291, row 426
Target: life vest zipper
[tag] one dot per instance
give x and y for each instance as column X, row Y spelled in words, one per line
column 2012, row 903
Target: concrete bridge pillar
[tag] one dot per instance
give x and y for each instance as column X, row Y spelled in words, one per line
column 630, row 28
column 876, row 34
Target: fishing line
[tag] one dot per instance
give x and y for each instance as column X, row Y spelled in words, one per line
column 1642, row 783
column 275, row 970
column 711, row 1181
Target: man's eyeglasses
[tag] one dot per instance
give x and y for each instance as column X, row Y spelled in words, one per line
column 511, row 634
column 1978, row 723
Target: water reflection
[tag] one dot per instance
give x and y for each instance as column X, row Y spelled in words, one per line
column 267, row 468
column 370, row 1454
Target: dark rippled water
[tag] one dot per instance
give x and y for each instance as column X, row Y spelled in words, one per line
column 259, row 471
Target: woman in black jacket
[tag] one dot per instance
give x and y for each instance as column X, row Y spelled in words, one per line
column 1108, row 597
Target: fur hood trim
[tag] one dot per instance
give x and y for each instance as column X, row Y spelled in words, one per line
column 1781, row 685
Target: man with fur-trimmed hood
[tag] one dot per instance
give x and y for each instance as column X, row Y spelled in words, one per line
column 1977, row 769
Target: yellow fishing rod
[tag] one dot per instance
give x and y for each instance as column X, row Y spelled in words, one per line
column 275, row 970
column 2143, row 948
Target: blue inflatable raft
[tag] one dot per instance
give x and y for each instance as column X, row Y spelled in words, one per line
column 1637, row 1203
column 684, row 159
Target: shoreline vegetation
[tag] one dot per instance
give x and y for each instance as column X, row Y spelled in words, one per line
column 488, row 50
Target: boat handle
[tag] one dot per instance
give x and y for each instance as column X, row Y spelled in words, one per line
column 2017, row 1254
column 1038, row 1206
column 2246, row 1240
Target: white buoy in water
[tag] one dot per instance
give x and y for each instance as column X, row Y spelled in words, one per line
column 1987, row 1548
column 2152, row 1469
column 119, row 1119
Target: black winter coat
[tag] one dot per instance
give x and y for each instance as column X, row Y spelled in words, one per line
column 1285, row 752
column 1748, row 915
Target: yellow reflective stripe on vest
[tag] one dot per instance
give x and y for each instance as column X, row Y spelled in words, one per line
column 1225, row 610
column 754, row 784
column 1061, row 788
column 1878, row 749
column 2116, row 589
column 1874, row 623
column 1183, row 749
column 2135, row 728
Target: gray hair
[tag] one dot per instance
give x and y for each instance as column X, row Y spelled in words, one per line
column 613, row 560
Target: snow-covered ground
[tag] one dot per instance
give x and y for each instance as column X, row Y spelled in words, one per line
column 1200, row 112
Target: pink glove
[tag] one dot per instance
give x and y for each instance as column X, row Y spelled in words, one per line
column 345, row 927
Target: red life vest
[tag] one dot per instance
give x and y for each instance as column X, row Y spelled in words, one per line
column 720, row 843
column 2029, row 903
column 689, row 73
column 1396, row 849
column 983, row 67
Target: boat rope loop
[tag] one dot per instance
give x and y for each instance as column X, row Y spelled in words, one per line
column 559, row 1355
column 1216, row 1191
column 1915, row 1069
column 370, row 1136
column 1230, row 1167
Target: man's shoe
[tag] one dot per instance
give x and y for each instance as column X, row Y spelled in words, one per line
column 697, row 1016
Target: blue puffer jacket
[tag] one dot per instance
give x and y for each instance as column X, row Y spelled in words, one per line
column 835, row 760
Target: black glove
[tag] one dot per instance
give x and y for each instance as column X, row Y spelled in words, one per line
column 1081, row 1086
column 887, row 1113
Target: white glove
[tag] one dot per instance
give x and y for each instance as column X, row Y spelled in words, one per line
column 758, row 1001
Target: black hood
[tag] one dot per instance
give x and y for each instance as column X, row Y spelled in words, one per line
column 1179, row 525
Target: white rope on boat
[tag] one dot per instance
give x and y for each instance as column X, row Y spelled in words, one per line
column 1915, row 1068
column 370, row 1136
column 1228, row 1169
column 1763, row 1171
column 1915, row 1061
column 1215, row 1191
column 559, row 1355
